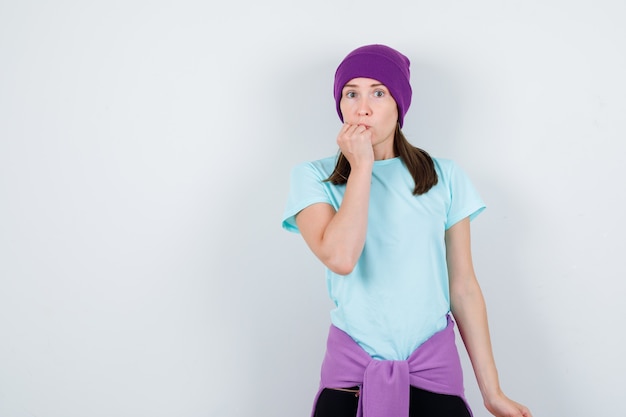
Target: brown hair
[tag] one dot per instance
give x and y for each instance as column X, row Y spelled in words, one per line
column 418, row 162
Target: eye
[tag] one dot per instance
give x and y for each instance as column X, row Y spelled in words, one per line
column 379, row 93
column 350, row 94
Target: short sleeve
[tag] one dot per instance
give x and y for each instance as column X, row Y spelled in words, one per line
column 464, row 199
column 306, row 188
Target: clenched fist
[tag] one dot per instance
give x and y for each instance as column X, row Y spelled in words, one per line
column 355, row 142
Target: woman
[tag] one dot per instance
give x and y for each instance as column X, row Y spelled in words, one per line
column 392, row 226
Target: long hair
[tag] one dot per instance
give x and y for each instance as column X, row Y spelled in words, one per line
column 418, row 162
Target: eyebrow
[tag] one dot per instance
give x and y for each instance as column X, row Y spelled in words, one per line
column 373, row 85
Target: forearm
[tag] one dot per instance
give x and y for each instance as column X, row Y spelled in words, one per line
column 344, row 237
column 469, row 310
column 470, row 313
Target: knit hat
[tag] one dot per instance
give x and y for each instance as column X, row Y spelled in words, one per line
column 381, row 63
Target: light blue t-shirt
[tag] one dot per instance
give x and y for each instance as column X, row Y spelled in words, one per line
column 397, row 296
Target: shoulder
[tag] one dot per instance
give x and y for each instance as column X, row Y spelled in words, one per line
column 324, row 163
column 321, row 168
column 445, row 167
column 450, row 173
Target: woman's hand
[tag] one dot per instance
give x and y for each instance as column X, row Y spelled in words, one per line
column 355, row 142
column 502, row 406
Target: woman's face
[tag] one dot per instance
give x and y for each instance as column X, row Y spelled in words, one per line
column 367, row 102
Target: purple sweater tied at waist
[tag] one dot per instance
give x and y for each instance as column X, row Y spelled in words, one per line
column 385, row 384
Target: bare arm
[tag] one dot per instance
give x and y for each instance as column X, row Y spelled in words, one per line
column 469, row 310
column 337, row 238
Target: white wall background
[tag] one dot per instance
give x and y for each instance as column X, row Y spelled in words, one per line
column 145, row 148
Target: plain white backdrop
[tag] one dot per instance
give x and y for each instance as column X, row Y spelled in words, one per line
column 145, row 150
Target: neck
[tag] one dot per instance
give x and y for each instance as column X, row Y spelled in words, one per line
column 384, row 150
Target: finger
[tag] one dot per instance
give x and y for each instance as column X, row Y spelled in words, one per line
column 344, row 133
column 356, row 131
column 350, row 130
column 345, row 127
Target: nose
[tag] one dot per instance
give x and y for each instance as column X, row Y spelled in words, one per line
column 364, row 108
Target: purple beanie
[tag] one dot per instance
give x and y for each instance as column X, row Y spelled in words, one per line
column 381, row 63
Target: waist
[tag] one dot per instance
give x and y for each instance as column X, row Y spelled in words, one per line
column 388, row 336
column 434, row 365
